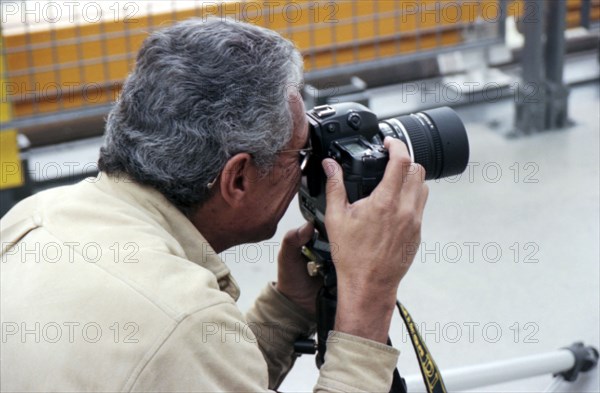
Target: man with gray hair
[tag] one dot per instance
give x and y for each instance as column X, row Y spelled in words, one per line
column 201, row 154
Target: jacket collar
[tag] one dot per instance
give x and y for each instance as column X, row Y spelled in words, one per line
column 195, row 246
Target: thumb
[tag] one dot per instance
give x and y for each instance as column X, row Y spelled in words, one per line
column 305, row 233
column 335, row 190
column 298, row 237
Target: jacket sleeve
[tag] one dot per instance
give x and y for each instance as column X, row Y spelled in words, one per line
column 355, row 364
column 215, row 350
column 284, row 322
column 351, row 363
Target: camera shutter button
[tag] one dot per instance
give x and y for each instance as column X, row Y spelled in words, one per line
column 354, row 120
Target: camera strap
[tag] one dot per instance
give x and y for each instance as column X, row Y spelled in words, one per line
column 431, row 375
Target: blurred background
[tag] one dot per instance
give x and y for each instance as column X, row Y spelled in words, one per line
column 509, row 261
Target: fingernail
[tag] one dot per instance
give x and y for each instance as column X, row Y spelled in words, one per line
column 329, row 168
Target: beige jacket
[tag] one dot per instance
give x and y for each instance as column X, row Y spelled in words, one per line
column 105, row 286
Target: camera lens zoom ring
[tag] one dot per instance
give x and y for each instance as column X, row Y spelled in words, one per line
column 436, row 140
column 420, row 143
column 439, row 154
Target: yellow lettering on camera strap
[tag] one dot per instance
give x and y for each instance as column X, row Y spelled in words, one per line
column 431, row 375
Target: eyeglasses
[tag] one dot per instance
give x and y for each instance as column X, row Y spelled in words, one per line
column 303, row 158
column 303, row 154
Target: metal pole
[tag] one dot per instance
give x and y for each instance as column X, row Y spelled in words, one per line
column 503, row 5
column 530, row 111
column 465, row 378
column 557, row 93
column 586, row 6
column 555, row 40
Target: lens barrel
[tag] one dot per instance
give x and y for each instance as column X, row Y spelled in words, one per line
column 436, row 139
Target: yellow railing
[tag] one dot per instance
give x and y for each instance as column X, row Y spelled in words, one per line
column 11, row 174
column 83, row 63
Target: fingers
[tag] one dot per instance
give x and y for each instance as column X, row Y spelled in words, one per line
column 414, row 183
column 402, row 179
column 423, row 199
column 303, row 234
column 335, row 190
column 397, row 167
column 296, row 238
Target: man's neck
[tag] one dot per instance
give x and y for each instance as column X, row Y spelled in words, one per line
column 217, row 224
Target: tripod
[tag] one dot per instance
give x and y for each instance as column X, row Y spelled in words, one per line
column 565, row 364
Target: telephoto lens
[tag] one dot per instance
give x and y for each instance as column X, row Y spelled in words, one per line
column 436, row 139
column 353, row 135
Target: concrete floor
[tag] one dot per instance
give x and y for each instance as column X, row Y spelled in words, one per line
column 509, row 264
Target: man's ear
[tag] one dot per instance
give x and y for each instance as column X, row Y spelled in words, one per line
column 237, row 178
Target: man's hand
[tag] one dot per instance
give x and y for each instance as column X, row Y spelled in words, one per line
column 293, row 280
column 374, row 241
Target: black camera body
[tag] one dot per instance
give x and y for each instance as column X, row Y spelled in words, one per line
column 352, row 135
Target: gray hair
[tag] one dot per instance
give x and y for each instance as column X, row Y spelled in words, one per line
column 201, row 92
